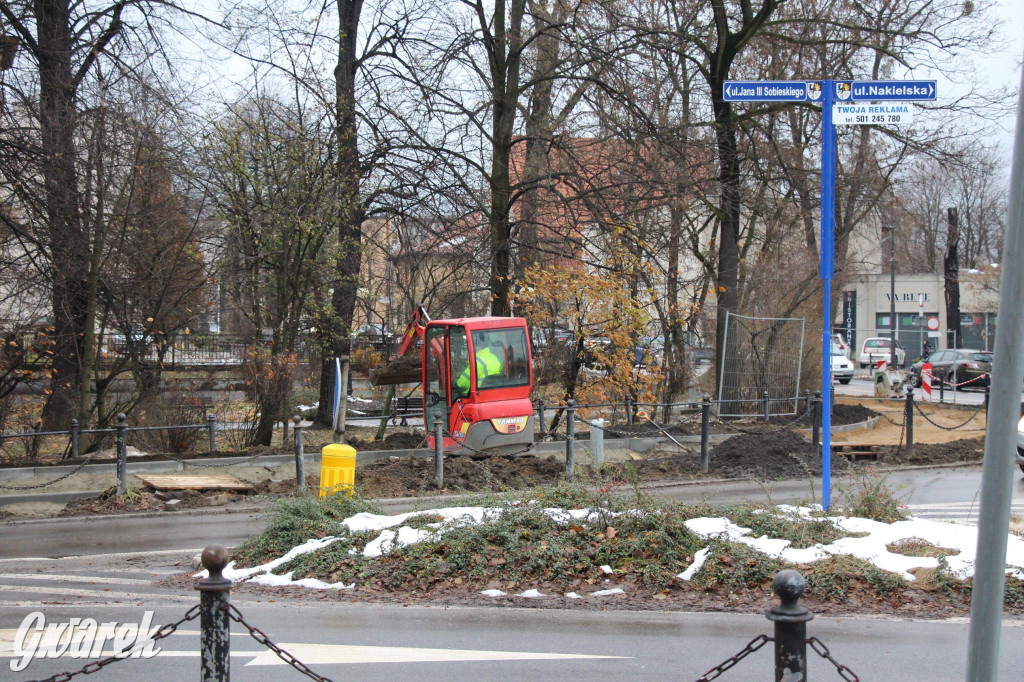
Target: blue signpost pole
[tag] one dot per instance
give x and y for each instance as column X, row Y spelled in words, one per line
column 828, row 197
column 853, row 92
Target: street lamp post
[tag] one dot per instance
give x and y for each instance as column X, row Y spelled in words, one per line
column 892, row 290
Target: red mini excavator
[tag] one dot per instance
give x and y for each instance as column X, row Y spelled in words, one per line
column 484, row 404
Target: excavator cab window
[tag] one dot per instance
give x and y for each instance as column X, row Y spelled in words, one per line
column 460, row 362
column 436, row 390
column 502, row 360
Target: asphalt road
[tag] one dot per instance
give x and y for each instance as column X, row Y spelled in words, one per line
column 385, row 643
column 373, row 642
column 863, row 386
column 950, row 494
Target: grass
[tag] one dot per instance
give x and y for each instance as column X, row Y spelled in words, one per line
column 646, row 542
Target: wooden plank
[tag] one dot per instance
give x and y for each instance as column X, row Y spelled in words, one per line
column 193, row 482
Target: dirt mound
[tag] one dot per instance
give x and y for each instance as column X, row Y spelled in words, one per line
column 964, row 450
column 393, row 441
column 769, row 456
column 408, row 475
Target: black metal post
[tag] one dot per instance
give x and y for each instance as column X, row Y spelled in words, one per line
column 767, row 407
column 74, row 438
column 214, row 636
column 910, row 420
column 122, row 455
column 816, row 422
column 211, row 425
column 705, row 424
column 807, row 399
column 570, row 438
column 300, row 456
column 439, row 451
column 629, row 410
column 540, row 415
column 987, row 386
column 942, row 391
column 790, row 626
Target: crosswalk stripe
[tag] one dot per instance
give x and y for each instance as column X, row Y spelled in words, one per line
column 75, row 592
column 99, row 580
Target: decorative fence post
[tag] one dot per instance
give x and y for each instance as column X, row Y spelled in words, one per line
column 439, row 451
column 300, row 463
column 211, row 425
column 597, row 440
column 705, row 426
column 540, row 415
column 910, row 420
column 790, row 626
column 214, row 597
column 122, row 455
column 807, row 399
column 74, row 438
column 629, row 410
column 570, row 437
column 767, row 406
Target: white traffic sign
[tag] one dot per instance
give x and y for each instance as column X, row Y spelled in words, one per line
column 891, row 113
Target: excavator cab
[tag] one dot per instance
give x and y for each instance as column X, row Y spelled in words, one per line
column 477, row 377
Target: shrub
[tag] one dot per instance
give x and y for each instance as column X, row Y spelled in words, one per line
column 268, row 384
column 869, row 496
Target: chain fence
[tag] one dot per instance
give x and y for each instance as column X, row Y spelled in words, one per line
column 931, row 421
column 95, row 666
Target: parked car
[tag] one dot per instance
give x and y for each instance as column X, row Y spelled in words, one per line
column 878, row 348
column 841, row 342
column 956, row 366
column 842, row 368
column 1020, row 443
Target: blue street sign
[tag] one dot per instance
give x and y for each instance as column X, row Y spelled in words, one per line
column 772, row 91
column 885, row 91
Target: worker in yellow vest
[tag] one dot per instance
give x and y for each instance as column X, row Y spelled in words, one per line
column 488, row 363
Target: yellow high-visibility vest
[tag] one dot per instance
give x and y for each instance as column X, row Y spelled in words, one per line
column 487, row 364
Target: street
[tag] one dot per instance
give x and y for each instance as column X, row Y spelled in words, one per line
column 370, row 642
column 863, row 386
column 110, row 566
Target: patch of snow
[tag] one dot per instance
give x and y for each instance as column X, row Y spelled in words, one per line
column 493, row 593
column 573, row 595
column 530, row 594
column 698, row 561
column 607, row 570
column 607, row 593
column 286, row 581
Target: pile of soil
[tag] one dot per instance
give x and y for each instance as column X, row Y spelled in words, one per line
column 396, row 440
column 148, row 500
column 769, row 456
column 954, row 452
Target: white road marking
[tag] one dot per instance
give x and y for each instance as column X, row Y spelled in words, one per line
column 99, row 580
column 312, row 654
column 109, row 595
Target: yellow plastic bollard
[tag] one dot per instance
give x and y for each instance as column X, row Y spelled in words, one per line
column 337, row 469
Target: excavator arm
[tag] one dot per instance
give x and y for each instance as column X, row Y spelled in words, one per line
column 407, row 367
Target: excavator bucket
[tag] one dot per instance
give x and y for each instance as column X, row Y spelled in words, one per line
column 406, row 369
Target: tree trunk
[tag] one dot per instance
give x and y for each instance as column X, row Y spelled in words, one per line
column 336, row 326
column 729, row 207
column 505, row 58
column 951, row 269
column 67, row 243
